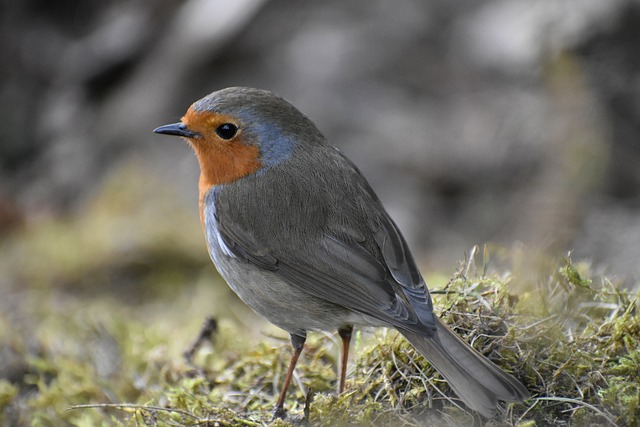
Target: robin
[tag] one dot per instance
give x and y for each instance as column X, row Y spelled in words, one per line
column 297, row 232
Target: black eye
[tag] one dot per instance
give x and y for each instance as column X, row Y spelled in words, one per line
column 227, row 130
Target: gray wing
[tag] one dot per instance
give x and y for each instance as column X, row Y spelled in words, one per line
column 363, row 264
column 344, row 273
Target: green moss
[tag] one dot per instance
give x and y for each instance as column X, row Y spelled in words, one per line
column 8, row 393
column 107, row 330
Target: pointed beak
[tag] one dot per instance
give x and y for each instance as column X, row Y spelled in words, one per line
column 178, row 129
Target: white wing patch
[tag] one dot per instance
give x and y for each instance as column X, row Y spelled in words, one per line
column 221, row 244
column 215, row 242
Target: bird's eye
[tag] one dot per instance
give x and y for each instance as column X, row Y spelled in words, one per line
column 227, row 130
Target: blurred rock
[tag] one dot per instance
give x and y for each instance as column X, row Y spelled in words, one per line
column 475, row 121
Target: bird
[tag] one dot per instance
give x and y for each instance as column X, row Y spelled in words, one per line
column 297, row 232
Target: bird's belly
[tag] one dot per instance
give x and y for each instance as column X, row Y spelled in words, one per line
column 282, row 304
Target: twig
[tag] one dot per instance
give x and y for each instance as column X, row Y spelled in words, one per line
column 208, row 329
column 580, row 403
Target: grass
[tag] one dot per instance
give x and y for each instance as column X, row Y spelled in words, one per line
column 90, row 337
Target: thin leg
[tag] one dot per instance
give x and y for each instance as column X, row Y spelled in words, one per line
column 345, row 334
column 297, row 341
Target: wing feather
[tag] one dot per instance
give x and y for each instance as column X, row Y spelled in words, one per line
column 349, row 252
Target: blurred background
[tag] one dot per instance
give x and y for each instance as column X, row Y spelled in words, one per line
column 514, row 123
column 507, row 121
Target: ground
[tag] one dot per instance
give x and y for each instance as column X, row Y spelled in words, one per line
column 94, row 322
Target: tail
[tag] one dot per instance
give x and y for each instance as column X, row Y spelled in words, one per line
column 475, row 379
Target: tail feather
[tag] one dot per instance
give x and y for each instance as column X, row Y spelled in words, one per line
column 474, row 378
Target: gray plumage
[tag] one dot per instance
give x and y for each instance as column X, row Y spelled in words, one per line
column 307, row 244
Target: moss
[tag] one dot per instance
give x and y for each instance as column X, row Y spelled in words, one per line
column 115, row 343
column 8, row 393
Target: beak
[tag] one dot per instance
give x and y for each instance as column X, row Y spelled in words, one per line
column 178, row 129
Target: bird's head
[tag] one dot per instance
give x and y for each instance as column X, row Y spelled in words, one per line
column 240, row 131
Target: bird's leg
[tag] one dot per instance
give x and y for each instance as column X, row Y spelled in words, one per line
column 297, row 341
column 345, row 334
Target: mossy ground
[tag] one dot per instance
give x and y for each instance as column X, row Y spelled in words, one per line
column 94, row 327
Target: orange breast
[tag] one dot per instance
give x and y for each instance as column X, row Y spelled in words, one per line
column 221, row 161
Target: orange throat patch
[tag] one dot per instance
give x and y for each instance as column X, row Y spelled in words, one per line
column 221, row 161
column 222, row 166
